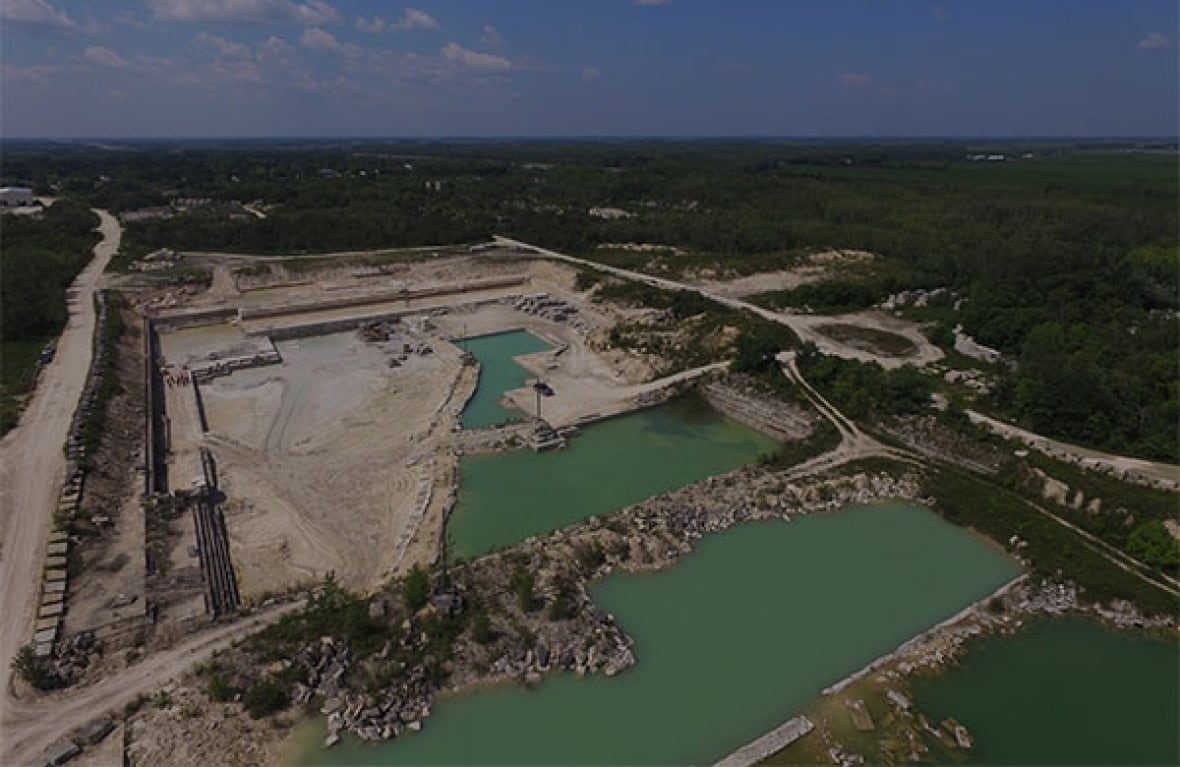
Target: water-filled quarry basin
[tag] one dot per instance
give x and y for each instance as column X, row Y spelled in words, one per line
column 498, row 373
column 1064, row 691
column 732, row 640
column 506, row 497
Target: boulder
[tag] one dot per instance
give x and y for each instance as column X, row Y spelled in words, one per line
column 95, row 731
column 61, row 752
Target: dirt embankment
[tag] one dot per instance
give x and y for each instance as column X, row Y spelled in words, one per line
column 740, row 399
column 109, row 524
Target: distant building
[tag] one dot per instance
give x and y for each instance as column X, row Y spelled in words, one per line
column 16, row 197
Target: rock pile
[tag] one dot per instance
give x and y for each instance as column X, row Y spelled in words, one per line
column 400, row 706
column 601, row 648
column 544, row 305
column 74, row 655
column 918, row 298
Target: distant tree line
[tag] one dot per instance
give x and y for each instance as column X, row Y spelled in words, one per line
column 40, row 255
column 1067, row 261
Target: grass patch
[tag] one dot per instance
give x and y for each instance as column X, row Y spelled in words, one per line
column 1144, row 506
column 1055, row 551
column 869, row 339
column 690, row 332
column 860, row 286
column 18, row 369
column 825, row 437
column 108, row 380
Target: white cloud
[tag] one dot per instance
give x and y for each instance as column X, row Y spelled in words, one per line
column 482, row 62
column 105, row 57
column 411, row 18
column 590, row 73
column 1154, row 40
column 275, row 49
column 309, row 12
column 491, row 37
column 376, row 25
column 853, row 78
column 37, row 15
column 35, row 74
column 316, row 39
column 223, row 46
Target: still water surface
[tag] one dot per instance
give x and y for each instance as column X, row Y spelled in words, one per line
column 506, row 497
column 498, row 374
column 1067, row 691
column 732, row 640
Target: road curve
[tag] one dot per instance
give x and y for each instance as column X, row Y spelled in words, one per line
column 802, row 325
column 32, row 726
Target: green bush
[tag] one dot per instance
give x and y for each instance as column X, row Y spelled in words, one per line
column 416, row 588
column 481, row 628
column 1150, row 542
column 590, row 556
column 219, row 688
column 522, row 585
column 265, row 698
column 34, row 670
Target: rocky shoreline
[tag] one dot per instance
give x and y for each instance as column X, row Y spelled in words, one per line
column 562, row 630
column 1004, row 612
column 649, row 536
column 558, row 627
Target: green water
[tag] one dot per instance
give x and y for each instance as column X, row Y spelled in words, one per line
column 506, row 497
column 731, row 641
column 498, row 374
column 1066, row 691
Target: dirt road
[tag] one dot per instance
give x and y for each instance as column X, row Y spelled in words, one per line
column 32, row 727
column 32, row 465
column 1156, row 473
column 802, row 325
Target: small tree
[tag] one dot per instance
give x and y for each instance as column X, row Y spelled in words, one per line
column 416, row 588
column 33, row 670
column 754, row 352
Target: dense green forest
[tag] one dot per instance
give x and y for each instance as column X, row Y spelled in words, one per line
column 1065, row 256
column 39, row 257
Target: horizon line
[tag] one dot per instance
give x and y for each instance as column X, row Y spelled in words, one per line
column 612, row 137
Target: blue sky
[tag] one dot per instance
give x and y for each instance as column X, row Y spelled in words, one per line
column 177, row 68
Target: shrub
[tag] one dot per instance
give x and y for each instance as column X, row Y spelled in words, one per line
column 35, row 671
column 219, row 689
column 481, row 628
column 264, row 699
column 416, row 589
column 590, row 556
column 522, row 585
